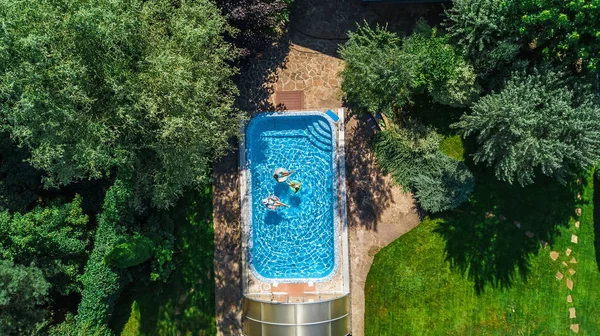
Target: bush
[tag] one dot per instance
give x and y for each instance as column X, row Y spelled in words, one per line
column 412, row 156
column 259, row 23
column 54, row 237
column 383, row 71
column 131, row 252
column 535, row 124
column 102, row 283
column 444, row 186
column 484, row 32
column 404, row 152
column 442, row 71
column 23, row 290
column 377, row 77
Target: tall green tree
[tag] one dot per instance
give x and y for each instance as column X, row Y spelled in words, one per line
column 377, row 77
column 23, row 289
column 96, row 87
column 55, row 238
column 484, row 31
column 567, row 32
column 535, row 124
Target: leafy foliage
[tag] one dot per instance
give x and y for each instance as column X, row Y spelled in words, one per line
column 258, row 22
column 404, row 152
column 70, row 327
column 133, row 251
column 377, row 76
column 441, row 69
column 565, row 31
column 101, row 282
column 22, row 291
column 412, row 157
column 383, row 71
column 54, row 238
column 483, row 30
column 444, row 186
column 82, row 86
column 535, row 123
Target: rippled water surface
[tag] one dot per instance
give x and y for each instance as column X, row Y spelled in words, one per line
column 295, row 242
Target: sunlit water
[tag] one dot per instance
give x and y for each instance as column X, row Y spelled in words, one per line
column 295, row 242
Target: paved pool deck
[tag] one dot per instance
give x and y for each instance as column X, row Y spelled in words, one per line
column 306, row 59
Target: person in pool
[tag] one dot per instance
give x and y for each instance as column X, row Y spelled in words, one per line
column 281, row 174
column 295, row 185
column 272, row 203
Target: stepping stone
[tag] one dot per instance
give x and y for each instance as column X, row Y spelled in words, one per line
column 569, row 251
column 578, row 196
column 565, row 263
column 569, row 299
column 489, row 215
column 574, row 239
column 529, row 234
column 572, row 313
column 575, row 328
column 573, row 261
column 577, row 224
column 502, row 218
column 559, row 275
column 554, row 255
column 572, row 271
column 517, row 224
column 578, row 211
column 570, row 284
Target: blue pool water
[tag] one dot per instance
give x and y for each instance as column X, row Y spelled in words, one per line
column 296, row 242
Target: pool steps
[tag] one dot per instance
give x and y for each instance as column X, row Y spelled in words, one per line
column 320, row 135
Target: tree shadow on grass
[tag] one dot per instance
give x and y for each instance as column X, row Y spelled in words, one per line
column 492, row 238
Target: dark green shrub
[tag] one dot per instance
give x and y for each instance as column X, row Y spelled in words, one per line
column 377, row 76
column 131, row 252
column 23, row 291
column 444, row 186
column 55, row 238
column 404, row 152
column 535, row 124
column 102, row 283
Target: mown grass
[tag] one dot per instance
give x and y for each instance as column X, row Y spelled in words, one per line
column 184, row 305
column 474, row 272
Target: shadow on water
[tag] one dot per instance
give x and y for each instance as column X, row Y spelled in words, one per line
column 273, row 218
column 492, row 238
column 597, row 218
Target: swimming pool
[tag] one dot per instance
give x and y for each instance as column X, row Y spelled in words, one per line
column 295, row 243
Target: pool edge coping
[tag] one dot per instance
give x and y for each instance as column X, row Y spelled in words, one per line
column 339, row 202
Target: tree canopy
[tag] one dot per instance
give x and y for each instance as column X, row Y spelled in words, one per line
column 142, row 86
column 535, row 124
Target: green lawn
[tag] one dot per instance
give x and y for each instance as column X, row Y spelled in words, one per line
column 473, row 272
column 185, row 305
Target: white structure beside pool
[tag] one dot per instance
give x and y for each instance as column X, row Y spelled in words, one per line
column 296, row 270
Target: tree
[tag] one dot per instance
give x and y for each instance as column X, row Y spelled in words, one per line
column 377, row 76
column 536, row 123
column 383, row 71
column 23, row 290
column 567, row 32
column 55, row 238
column 258, row 23
column 442, row 71
column 91, row 88
column 444, row 186
column 484, row 31
column 131, row 252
